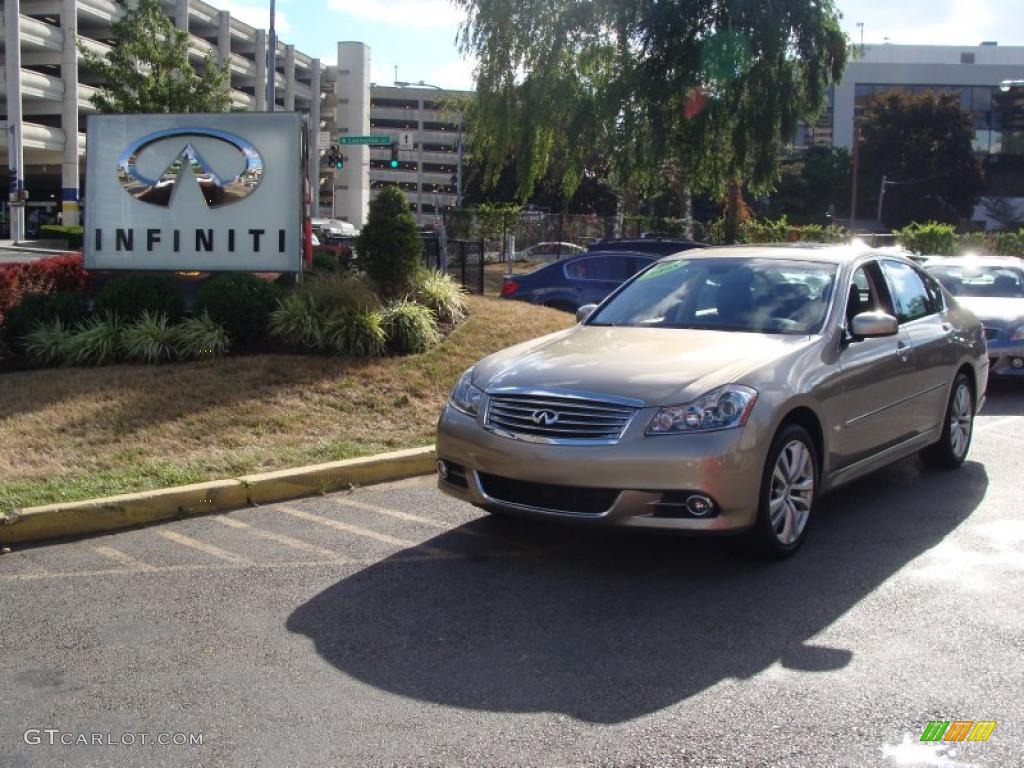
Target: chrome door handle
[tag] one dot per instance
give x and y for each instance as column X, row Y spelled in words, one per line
column 903, row 352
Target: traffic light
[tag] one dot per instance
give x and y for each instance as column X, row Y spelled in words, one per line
column 335, row 158
column 394, row 154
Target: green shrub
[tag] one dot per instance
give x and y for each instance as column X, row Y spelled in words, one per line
column 325, row 261
column 356, row 334
column 298, row 321
column 389, row 246
column 333, row 294
column 47, row 342
column 150, row 339
column 931, row 238
column 440, row 293
column 200, row 338
column 410, row 327
column 240, row 302
column 129, row 296
column 35, row 309
column 73, row 235
column 97, row 341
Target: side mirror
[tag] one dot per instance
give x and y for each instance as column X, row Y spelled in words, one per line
column 873, row 325
column 584, row 312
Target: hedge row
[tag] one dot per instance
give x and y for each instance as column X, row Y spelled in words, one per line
column 942, row 239
column 59, row 274
column 73, row 235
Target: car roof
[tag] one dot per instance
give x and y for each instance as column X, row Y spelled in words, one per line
column 819, row 252
column 974, row 261
column 598, row 252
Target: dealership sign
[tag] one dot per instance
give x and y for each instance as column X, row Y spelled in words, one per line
column 210, row 192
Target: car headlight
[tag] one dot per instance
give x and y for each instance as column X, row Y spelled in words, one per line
column 722, row 408
column 465, row 397
column 1018, row 335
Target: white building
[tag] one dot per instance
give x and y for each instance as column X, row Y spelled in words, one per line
column 971, row 73
column 47, row 86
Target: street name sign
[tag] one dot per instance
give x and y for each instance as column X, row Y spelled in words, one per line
column 381, row 141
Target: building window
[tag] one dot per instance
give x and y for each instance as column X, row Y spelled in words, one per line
column 394, row 103
column 967, row 58
column 404, row 125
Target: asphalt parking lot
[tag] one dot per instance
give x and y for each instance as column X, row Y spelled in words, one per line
column 392, row 626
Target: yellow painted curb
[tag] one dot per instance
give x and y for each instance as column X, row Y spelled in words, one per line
column 98, row 515
column 338, row 475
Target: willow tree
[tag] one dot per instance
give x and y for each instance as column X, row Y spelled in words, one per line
column 701, row 92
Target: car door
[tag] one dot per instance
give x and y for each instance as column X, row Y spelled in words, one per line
column 877, row 377
column 920, row 309
column 591, row 278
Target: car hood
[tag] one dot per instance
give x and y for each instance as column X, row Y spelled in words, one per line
column 658, row 366
column 994, row 311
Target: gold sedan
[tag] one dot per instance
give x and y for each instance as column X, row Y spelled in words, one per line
column 724, row 390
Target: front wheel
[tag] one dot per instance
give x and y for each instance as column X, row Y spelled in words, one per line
column 957, row 428
column 788, row 488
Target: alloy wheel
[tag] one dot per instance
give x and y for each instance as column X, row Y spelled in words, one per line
column 792, row 492
column 961, row 420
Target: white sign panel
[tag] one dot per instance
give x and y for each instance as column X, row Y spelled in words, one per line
column 205, row 192
column 323, row 139
column 405, row 140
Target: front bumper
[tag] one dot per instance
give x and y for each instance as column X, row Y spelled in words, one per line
column 725, row 466
column 1001, row 355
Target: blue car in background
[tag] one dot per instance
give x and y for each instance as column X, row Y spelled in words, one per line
column 571, row 283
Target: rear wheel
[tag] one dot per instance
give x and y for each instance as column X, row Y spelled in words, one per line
column 957, row 428
column 788, row 489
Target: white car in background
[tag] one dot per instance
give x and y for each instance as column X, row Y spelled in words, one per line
column 334, row 228
column 549, row 251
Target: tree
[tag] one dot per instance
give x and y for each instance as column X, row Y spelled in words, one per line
column 923, row 146
column 812, row 182
column 713, row 87
column 148, row 68
column 389, row 245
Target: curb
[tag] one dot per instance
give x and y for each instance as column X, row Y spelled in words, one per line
column 114, row 512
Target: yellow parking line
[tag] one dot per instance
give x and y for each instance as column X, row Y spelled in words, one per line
column 121, row 557
column 425, row 521
column 279, row 538
column 360, row 531
column 209, row 549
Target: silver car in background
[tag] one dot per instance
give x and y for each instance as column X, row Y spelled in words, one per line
column 721, row 390
column 992, row 287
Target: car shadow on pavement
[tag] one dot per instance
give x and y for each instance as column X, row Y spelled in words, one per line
column 1004, row 398
column 611, row 625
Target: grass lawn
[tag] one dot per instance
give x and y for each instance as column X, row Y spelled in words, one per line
column 77, row 433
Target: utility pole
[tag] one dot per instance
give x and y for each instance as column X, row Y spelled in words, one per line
column 856, row 163
column 881, row 197
column 272, row 62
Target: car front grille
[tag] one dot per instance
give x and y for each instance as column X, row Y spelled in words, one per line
column 553, row 418
column 553, row 498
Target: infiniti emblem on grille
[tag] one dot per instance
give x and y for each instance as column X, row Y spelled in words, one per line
column 547, row 418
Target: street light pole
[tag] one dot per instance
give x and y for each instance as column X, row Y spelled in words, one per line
column 272, row 62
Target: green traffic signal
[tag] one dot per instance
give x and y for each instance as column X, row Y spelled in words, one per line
column 394, row 163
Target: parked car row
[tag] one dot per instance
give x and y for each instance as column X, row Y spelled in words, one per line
column 726, row 390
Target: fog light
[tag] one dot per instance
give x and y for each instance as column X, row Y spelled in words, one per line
column 699, row 506
column 442, row 470
column 1017, row 362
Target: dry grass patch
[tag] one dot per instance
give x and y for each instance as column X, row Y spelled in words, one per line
column 77, row 433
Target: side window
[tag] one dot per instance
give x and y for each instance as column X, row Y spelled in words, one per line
column 935, row 300
column 909, row 294
column 636, row 264
column 584, row 269
column 865, row 293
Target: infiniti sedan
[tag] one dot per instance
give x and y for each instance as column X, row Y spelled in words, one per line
column 992, row 287
column 721, row 390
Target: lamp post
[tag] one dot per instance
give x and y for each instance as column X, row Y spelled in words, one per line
column 272, row 62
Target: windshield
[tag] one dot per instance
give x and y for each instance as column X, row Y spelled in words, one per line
column 973, row 281
column 726, row 294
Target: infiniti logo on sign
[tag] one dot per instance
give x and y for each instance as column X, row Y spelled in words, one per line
column 217, row 191
column 546, row 418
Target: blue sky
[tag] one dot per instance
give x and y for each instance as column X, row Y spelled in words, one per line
column 418, row 36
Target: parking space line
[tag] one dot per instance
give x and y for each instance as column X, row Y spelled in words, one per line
column 411, row 518
column 121, row 557
column 360, row 531
column 279, row 538
column 209, row 549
